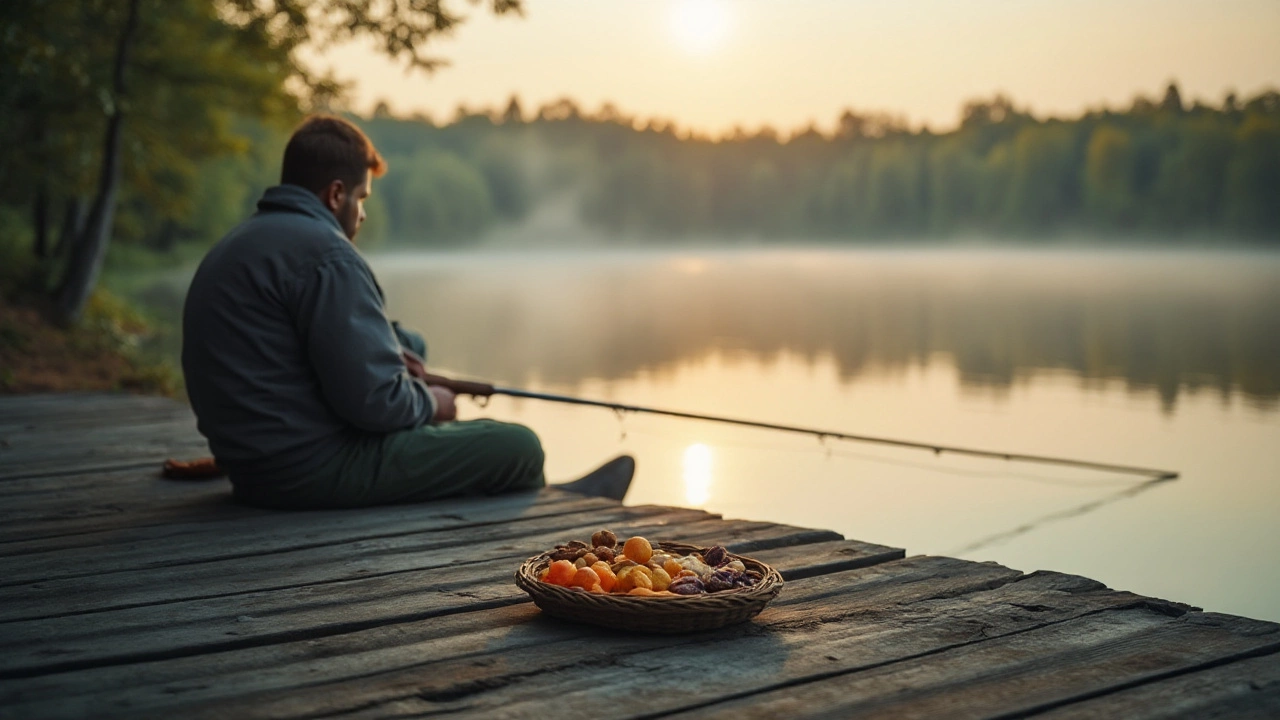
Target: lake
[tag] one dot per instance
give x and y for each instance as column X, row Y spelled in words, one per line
column 1162, row 359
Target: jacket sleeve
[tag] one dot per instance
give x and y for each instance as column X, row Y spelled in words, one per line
column 411, row 340
column 355, row 352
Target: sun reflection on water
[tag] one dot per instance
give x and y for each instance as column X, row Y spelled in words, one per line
column 697, row 474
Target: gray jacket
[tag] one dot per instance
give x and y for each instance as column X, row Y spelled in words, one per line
column 287, row 350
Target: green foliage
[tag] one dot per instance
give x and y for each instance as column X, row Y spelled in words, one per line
column 1253, row 176
column 444, row 199
column 163, row 115
column 1110, row 166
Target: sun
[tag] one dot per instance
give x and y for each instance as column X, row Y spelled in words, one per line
column 700, row 26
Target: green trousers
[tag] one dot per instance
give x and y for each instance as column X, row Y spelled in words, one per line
column 432, row 462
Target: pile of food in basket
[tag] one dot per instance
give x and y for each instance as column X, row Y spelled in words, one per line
column 638, row 585
column 634, row 568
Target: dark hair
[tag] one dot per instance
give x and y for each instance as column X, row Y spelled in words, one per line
column 325, row 148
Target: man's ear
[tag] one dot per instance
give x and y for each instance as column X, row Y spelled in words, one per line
column 334, row 195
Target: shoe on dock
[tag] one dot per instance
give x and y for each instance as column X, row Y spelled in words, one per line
column 610, row 480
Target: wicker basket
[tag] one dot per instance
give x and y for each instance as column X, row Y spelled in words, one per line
column 652, row 614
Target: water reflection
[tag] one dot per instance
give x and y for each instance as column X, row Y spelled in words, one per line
column 1163, row 323
column 697, row 474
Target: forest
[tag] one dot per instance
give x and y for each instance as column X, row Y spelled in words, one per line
column 1161, row 171
column 146, row 127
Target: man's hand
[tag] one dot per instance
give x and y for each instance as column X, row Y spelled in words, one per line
column 414, row 365
column 446, row 410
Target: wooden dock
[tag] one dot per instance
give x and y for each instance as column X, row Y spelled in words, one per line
column 125, row 595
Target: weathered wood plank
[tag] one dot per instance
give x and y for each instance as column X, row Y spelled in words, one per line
column 141, row 459
column 63, row 431
column 17, row 411
column 207, row 625
column 330, row 657
column 138, row 455
column 822, row 558
column 275, row 569
column 1237, row 691
column 911, row 607
column 87, row 442
column 483, row 638
column 292, row 531
column 61, row 512
column 802, row 633
column 1021, row 674
column 151, row 532
column 89, row 485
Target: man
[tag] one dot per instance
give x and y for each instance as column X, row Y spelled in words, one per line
column 309, row 396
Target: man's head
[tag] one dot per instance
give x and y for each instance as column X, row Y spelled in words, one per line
column 333, row 159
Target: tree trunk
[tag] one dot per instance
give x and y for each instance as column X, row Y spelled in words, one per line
column 40, row 223
column 72, row 226
column 90, row 248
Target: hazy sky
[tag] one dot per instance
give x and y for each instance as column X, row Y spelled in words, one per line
column 713, row 64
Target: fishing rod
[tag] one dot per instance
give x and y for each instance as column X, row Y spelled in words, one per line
column 485, row 390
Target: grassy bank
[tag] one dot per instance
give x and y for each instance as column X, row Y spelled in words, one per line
column 108, row 350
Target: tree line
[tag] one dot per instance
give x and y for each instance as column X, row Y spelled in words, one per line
column 1166, row 170
column 1159, row 171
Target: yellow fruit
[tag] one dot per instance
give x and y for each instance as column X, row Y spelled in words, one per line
column 625, row 580
column 661, row 580
column 640, row 591
column 640, row 580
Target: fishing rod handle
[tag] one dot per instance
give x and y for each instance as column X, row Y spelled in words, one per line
column 459, row 387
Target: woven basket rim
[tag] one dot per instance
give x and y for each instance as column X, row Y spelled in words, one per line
column 705, row 610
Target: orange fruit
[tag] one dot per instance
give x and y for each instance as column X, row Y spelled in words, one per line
column 638, row 549
column 584, row 578
column 560, row 572
column 607, row 578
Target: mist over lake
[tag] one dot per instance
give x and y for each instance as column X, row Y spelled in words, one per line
column 1154, row 358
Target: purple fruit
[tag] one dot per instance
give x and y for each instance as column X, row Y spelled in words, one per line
column 687, row 585
column 723, row 579
column 716, row 556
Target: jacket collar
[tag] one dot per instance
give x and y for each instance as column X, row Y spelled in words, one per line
column 296, row 199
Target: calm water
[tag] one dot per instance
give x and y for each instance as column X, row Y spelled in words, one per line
column 1169, row 360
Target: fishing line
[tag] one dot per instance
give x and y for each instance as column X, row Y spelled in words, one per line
column 1071, row 512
